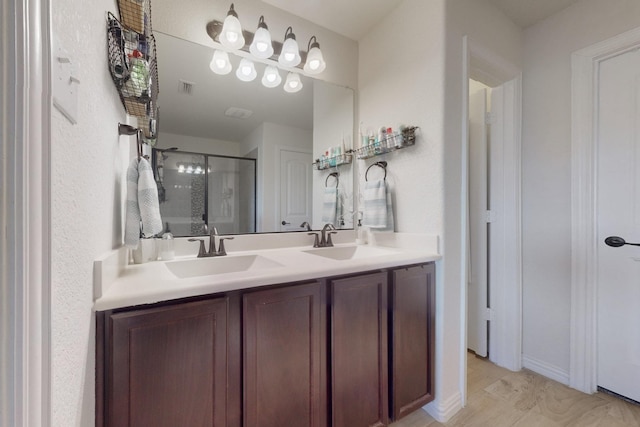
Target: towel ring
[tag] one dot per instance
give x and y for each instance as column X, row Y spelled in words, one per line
column 334, row 174
column 382, row 164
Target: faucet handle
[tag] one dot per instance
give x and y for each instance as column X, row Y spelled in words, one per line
column 201, row 252
column 316, row 243
column 329, row 242
column 221, row 250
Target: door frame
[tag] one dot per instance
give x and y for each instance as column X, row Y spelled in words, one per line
column 25, row 360
column 483, row 64
column 585, row 64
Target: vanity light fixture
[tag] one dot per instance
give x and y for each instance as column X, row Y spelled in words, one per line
column 290, row 54
column 246, row 70
column 264, row 50
column 220, row 63
column 190, row 168
column 271, row 77
column 315, row 62
column 293, row 83
column 231, row 36
column 261, row 46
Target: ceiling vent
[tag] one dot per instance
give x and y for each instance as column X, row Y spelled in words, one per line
column 238, row 113
column 186, row 87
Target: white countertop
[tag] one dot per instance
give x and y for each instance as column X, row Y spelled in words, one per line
column 118, row 285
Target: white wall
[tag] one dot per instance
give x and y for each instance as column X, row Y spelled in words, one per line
column 421, row 84
column 333, row 125
column 198, row 145
column 406, row 86
column 266, row 138
column 546, row 167
column 275, row 136
column 487, row 27
column 88, row 164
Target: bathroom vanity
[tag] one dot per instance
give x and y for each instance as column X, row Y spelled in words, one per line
column 350, row 349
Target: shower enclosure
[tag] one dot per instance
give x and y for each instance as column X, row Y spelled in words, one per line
column 195, row 189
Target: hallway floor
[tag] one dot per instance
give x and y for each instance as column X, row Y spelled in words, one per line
column 498, row 397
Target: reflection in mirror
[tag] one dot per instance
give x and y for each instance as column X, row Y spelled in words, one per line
column 196, row 189
column 202, row 112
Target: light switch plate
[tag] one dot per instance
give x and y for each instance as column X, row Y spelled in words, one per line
column 65, row 83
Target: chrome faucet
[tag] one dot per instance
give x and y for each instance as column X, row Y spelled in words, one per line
column 203, row 253
column 325, row 240
column 307, row 225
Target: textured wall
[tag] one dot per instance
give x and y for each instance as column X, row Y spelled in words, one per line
column 88, row 166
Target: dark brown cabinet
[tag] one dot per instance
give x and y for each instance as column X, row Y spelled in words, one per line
column 170, row 366
column 412, row 338
column 359, row 351
column 351, row 351
column 285, row 357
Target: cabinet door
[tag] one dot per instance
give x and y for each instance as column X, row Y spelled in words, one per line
column 284, row 357
column 359, row 351
column 412, row 338
column 168, row 366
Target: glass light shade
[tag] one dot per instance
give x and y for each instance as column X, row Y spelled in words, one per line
column 271, row 77
column 220, row 63
column 290, row 54
column 231, row 35
column 246, row 70
column 315, row 62
column 261, row 46
column 293, row 83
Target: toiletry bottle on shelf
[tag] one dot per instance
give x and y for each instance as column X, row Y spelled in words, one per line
column 390, row 139
column 399, row 140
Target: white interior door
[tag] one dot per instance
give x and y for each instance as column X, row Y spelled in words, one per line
column 477, row 339
column 295, row 189
column 618, row 214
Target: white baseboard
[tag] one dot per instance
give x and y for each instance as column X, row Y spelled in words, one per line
column 443, row 411
column 546, row 369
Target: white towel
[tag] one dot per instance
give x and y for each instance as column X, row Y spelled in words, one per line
column 378, row 210
column 143, row 211
column 330, row 205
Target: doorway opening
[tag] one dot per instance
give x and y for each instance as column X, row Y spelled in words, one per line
column 478, row 219
column 494, row 313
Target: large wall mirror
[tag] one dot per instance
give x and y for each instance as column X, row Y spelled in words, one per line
column 205, row 114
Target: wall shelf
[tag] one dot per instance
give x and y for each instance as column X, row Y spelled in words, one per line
column 335, row 161
column 397, row 142
column 132, row 62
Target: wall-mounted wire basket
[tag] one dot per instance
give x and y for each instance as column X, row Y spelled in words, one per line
column 136, row 15
column 391, row 143
column 134, row 71
column 330, row 162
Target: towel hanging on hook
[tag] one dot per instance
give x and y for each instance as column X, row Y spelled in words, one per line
column 334, row 174
column 382, row 164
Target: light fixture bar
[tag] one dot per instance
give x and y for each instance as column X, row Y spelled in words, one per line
column 214, row 28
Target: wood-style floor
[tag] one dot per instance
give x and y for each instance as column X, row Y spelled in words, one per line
column 500, row 398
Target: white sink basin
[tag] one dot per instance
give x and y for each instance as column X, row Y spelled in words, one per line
column 344, row 253
column 219, row 265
